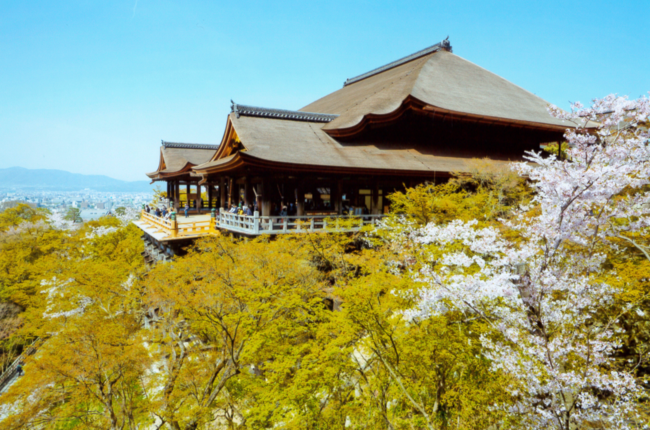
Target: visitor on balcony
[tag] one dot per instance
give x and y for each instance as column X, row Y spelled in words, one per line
column 247, row 211
column 187, row 208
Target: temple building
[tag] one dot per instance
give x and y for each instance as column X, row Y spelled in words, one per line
column 420, row 118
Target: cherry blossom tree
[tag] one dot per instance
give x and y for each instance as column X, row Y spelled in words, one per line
column 541, row 292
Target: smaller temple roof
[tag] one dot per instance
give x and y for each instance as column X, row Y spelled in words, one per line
column 179, row 158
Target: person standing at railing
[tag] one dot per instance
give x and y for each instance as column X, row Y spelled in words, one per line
column 187, row 208
column 247, row 211
column 157, row 213
column 20, row 370
column 164, row 211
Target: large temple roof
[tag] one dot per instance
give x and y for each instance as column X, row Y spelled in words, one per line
column 468, row 111
column 176, row 158
column 303, row 145
column 441, row 81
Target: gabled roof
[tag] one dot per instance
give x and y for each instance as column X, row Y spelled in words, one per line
column 437, row 47
column 304, row 146
column 179, row 158
column 437, row 80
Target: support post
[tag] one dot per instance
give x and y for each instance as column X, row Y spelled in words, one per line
column 233, row 195
column 248, row 200
column 266, row 197
column 300, row 198
column 177, row 195
column 259, row 190
column 374, row 201
column 222, row 193
column 187, row 193
column 336, row 195
column 174, row 225
column 197, row 200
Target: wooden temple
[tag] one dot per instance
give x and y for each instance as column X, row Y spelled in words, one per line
column 420, row 118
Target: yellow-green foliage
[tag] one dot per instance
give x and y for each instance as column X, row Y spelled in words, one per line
column 239, row 334
column 487, row 193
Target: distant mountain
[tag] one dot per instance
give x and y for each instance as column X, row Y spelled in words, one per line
column 19, row 178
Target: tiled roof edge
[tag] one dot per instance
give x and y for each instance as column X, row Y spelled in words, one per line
column 188, row 145
column 438, row 46
column 280, row 113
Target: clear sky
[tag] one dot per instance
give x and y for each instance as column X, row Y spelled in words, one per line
column 93, row 86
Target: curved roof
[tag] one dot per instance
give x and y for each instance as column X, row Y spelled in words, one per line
column 439, row 80
column 179, row 158
column 303, row 145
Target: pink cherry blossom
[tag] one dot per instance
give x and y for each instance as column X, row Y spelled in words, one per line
column 542, row 294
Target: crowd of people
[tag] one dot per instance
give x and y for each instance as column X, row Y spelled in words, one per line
column 160, row 212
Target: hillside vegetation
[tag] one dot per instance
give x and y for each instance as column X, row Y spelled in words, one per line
column 509, row 300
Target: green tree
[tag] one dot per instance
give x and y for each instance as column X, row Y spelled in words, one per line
column 73, row 214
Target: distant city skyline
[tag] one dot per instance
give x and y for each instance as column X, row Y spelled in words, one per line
column 93, row 87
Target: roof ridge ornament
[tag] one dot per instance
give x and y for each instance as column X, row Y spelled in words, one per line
column 188, row 145
column 280, row 113
column 443, row 45
column 233, row 108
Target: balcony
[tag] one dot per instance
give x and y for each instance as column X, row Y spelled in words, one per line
column 199, row 225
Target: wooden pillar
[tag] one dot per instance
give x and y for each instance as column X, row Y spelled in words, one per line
column 169, row 192
column 198, row 196
column 248, row 199
column 259, row 192
column 300, row 198
column 187, row 193
column 177, row 194
column 374, row 200
column 335, row 195
column 209, row 186
column 233, row 194
column 266, row 197
column 222, row 193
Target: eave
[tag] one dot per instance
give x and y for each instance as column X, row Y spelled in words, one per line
column 243, row 161
column 412, row 103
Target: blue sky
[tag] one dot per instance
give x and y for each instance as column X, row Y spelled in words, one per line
column 93, row 86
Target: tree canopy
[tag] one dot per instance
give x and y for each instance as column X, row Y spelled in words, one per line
column 500, row 299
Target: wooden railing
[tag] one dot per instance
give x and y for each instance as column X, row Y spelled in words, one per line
column 195, row 228
column 174, row 229
column 160, row 223
column 255, row 225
